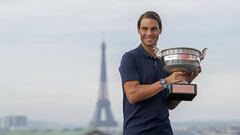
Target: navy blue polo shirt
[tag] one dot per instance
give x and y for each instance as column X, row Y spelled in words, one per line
column 151, row 116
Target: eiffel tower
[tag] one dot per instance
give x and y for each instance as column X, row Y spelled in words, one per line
column 103, row 116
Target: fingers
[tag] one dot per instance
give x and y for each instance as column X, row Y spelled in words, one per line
column 198, row 70
column 178, row 74
column 194, row 74
column 180, row 79
column 176, row 77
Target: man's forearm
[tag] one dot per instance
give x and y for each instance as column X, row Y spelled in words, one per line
column 139, row 92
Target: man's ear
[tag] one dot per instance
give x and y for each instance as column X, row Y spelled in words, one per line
column 138, row 30
column 160, row 32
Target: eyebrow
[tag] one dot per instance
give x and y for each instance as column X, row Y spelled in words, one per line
column 145, row 27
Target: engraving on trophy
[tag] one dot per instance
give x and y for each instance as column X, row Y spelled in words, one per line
column 183, row 89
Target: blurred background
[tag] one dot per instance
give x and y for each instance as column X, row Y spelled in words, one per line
column 50, row 57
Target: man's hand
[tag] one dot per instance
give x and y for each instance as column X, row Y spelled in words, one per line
column 176, row 77
column 193, row 75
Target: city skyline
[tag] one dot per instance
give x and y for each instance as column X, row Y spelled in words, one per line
column 50, row 55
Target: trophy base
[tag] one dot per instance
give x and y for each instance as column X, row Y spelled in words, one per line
column 181, row 92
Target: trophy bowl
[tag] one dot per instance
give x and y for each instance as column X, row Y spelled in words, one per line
column 182, row 59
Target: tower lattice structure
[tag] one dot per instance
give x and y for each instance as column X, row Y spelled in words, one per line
column 103, row 107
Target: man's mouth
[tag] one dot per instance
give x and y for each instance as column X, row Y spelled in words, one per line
column 149, row 39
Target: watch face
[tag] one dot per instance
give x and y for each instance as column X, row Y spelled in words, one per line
column 162, row 81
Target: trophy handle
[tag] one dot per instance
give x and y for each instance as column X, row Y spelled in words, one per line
column 203, row 54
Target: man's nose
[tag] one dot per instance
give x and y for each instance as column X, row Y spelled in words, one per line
column 149, row 32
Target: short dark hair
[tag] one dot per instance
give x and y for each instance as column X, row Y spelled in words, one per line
column 151, row 15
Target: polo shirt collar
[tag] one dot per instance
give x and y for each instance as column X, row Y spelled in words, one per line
column 144, row 52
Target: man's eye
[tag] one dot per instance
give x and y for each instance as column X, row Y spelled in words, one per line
column 154, row 28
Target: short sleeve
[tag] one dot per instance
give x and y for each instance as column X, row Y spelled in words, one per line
column 128, row 68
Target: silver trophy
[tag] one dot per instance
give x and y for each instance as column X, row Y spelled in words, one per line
column 185, row 60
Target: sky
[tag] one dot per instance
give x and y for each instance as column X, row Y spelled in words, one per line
column 50, row 55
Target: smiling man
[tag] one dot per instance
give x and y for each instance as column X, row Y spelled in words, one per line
column 145, row 106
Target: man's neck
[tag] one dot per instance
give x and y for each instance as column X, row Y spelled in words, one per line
column 149, row 50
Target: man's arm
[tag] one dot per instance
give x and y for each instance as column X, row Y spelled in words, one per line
column 136, row 92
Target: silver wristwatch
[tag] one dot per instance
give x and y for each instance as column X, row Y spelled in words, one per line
column 164, row 83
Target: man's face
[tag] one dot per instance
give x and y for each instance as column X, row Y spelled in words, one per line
column 149, row 31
